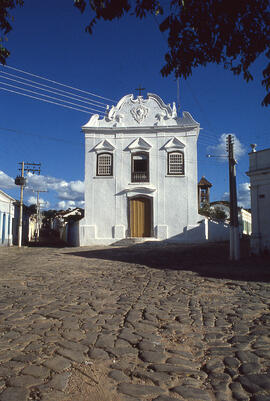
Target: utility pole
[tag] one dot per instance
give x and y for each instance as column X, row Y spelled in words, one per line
column 178, row 92
column 21, row 181
column 234, row 224
column 21, row 208
column 37, row 221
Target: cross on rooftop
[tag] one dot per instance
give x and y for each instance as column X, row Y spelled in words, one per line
column 140, row 90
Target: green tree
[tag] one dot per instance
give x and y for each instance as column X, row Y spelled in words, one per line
column 205, row 210
column 218, row 214
column 5, row 24
column 231, row 33
column 215, row 213
column 32, row 209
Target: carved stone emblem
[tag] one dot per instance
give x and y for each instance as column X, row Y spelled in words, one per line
column 139, row 113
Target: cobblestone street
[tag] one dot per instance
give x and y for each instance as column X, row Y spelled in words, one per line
column 147, row 322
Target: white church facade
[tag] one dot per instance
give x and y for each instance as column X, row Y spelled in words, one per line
column 140, row 174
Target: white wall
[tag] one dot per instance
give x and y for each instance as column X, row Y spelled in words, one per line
column 259, row 173
column 73, row 233
column 218, row 231
column 6, row 219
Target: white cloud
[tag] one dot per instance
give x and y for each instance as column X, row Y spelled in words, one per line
column 68, row 193
column 6, row 181
column 66, row 204
column 44, row 204
column 243, row 195
column 32, row 200
column 72, row 190
column 226, row 196
column 220, row 148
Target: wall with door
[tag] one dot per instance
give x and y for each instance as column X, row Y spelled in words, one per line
column 140, row 172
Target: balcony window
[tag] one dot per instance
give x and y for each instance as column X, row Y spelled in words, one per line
column 140, row 167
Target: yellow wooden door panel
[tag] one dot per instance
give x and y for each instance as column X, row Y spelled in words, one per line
column 140, row 217
column 147, row 219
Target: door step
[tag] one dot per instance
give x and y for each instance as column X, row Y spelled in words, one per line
column 133, row 240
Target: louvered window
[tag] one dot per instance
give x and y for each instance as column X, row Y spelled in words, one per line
column 104, row 164
column 176, row 163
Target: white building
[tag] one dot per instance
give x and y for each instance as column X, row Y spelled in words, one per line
column 244, row 216
column 259, row 173
column 140, row 174
column 6, row 219
column 245, row 221
column 62, row 222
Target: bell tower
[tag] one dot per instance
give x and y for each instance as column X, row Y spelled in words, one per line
column 203, row 192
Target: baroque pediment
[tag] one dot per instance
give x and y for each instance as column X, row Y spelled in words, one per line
column 173, row 144
column 104, row 146
column 139, row 144
column 139, row 112
column 133, row 111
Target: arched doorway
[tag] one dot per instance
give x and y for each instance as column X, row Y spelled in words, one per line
column 140, row 216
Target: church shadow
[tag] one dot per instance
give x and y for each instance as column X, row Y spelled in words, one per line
column 208, row 260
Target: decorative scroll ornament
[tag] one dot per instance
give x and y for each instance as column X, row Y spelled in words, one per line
column 139, row 113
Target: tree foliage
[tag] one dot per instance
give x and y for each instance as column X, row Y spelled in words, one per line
column 5, row 24
column 199, row 32
column 32, row 209
column 233, row 34
column 215, row 213
column 218, row 214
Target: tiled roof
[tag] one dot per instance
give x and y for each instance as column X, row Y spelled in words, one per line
column 203, row 182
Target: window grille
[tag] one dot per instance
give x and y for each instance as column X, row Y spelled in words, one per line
column 176, row 163
column 104, row 164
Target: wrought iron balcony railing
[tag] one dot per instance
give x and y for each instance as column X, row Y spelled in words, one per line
column 139, row 177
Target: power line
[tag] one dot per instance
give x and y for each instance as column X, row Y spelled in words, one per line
column 58, row 83
column 208, row 139
column 209, row 134
column 56, row 92
column 205, row 142
column 178, row 86
column 50, row 97
column 40, row 136
column 79, row 144
column 44, row 100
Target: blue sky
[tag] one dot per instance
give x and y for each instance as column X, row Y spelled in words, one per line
column 48, row 40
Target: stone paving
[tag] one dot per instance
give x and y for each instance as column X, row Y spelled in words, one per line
column 164, row 325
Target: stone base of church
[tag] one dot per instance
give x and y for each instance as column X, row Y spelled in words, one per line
column 205, row 230
column 88, row 237
column 118, row 232
column 161, row 232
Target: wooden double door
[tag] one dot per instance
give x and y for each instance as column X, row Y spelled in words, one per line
column 140, row 219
